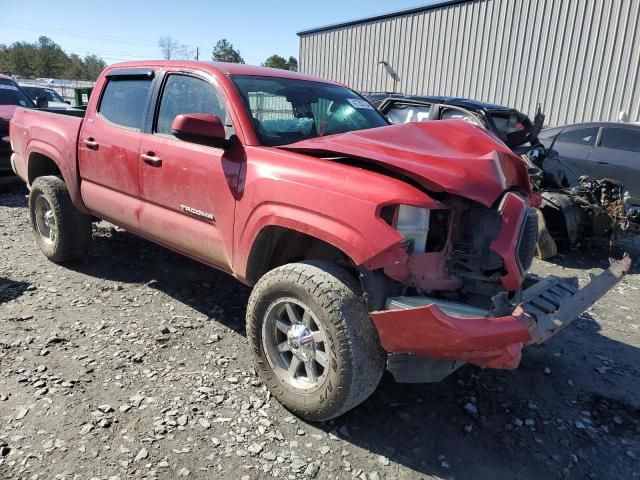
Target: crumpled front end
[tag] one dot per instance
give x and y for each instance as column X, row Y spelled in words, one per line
column 466, row 295
column 472, row 253
column 447, row 330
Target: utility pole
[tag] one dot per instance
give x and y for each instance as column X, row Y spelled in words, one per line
column 197, row 53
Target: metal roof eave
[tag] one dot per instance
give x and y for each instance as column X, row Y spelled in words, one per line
column 397, row 13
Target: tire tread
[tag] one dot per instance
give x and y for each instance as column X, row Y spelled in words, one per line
column 339, row 295
column 74, row 227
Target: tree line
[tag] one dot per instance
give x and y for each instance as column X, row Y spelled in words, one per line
column 223, row 51
column 46, row 59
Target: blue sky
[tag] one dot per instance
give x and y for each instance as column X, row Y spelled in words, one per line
column 120, row 30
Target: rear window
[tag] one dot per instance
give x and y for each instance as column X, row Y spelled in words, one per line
column 11, row 94
column 405, row 113
column 124, row 100
column 508, row 122
column 456, row 114
column 621, row 139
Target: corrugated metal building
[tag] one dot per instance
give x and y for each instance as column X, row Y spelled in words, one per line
column 579, row 58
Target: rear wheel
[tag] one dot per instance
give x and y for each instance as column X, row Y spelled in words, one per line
column 61, row 231
column 312, row 340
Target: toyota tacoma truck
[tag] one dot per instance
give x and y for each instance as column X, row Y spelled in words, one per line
column 369, row 246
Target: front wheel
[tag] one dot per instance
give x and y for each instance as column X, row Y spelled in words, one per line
column 61, row 231
column 312, row 340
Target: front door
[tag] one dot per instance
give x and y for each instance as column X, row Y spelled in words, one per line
column 574, row 145
column 187, row 189
column 108, row 149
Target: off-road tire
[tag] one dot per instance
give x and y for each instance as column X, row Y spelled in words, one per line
column 73, row 238
column 356, row 358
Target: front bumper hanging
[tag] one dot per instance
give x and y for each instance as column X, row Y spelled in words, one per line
column 454, row 331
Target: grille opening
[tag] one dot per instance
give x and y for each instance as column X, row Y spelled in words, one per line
column 528, row 240
column 438, row 230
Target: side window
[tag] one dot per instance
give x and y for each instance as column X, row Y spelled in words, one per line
column 408, row 113
column 123, row 101
column 184, row 94
column 582, row 136
column 621, row 139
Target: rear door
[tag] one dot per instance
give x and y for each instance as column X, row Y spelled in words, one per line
column 188, row 189
column 617, row 156
column 109, row 145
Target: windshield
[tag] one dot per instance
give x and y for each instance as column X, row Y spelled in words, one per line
column 50, row 94
column 285, row 111
column 10, row 94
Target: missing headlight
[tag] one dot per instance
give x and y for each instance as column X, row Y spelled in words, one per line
column 438, row 230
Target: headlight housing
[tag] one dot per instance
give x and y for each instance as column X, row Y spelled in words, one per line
column 424, row 230
column 413, row 224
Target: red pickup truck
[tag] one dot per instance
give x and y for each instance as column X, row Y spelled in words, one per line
column 368, row 245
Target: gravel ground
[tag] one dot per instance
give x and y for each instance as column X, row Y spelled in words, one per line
column 133, row 364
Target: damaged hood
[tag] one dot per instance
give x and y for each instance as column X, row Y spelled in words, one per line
column 445, row 156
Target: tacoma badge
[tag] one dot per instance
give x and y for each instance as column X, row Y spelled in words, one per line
column 194, row 212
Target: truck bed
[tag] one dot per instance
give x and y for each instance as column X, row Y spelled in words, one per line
column 49, row 132
column 71, row 112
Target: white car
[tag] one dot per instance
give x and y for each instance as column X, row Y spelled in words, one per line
column 54, row 99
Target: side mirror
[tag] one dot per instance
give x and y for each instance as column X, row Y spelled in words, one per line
column 42, row 102
column 67, row 102
column 202, row 128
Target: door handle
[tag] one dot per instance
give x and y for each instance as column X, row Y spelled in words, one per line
column 603, row 163
column 91, row 143
column 150, row 159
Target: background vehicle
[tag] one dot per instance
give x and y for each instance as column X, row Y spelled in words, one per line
column 363, row 250
column 511, row 126
column 11, row 97
column 599, row 150
column 571, row 216
column 53, row 98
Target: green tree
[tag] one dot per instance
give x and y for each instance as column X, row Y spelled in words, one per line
column 51, row 59
column 292, row 63
column 223, row 51
column 23, row 57
column 93, row 65
column 75, row 67
column 276, row 61
column 45, row 58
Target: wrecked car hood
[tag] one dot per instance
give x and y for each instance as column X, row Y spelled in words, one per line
column 445, row 156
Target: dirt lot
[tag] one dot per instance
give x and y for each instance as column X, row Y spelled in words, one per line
column 133, row 364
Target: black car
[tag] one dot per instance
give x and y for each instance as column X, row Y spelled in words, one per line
column 599, row 150
column 514, row 128
column 591, row 208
